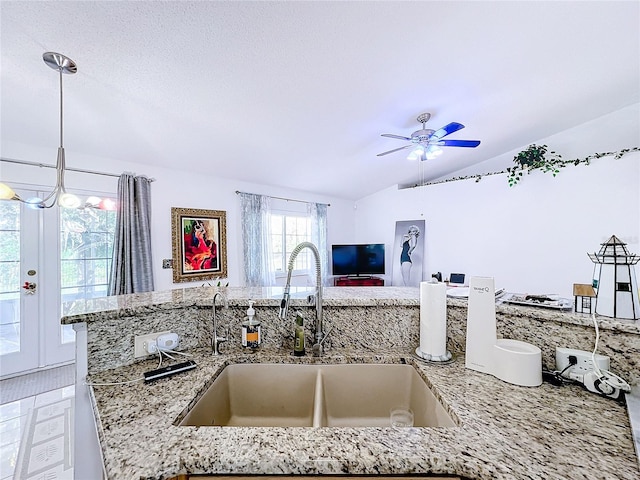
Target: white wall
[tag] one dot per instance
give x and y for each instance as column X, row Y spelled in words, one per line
column 533, row 237
column 172, row 188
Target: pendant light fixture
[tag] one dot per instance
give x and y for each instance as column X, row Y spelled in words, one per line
column 59, row 195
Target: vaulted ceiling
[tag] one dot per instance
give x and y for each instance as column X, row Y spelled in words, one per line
column 297, row 94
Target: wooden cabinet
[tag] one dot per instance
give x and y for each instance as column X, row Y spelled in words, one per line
column 358, row 282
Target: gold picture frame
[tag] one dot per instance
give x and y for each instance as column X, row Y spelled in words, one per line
column 199, row 240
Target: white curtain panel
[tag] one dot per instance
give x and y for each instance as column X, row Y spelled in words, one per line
column 256, row 240
column 318, row 212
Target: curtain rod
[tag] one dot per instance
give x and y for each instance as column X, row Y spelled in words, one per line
column 238, row 192
column 70, row 169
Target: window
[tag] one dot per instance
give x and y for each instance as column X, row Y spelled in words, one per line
column 288, row 230
column 271, row 230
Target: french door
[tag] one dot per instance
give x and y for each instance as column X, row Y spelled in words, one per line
column 47, row 257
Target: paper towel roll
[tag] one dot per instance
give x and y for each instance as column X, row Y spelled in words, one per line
column 433, row 319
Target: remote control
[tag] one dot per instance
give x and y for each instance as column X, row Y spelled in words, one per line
column 169, row 370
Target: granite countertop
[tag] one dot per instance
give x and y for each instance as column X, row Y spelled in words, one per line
column 505, row 431
column 97, row 309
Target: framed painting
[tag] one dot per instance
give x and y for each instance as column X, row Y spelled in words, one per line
column 199, row 244
column 408, row 253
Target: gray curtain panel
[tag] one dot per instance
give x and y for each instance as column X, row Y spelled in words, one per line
column 132, row 266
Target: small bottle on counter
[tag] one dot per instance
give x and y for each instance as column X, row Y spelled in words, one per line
column 298, row 344
column 251, row 329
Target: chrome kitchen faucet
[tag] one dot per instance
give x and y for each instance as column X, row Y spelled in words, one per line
column 215, row 339
column 319, row 335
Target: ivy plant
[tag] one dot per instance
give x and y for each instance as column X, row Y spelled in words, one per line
column 534, row 157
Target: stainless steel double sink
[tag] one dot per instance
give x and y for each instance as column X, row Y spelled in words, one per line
column 295, row 395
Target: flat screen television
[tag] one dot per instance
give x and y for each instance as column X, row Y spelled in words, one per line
column 358, row 259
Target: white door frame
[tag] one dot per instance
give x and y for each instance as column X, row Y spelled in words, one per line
column 27, row 357
column 40, row 334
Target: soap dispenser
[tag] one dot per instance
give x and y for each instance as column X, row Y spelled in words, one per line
column 251, row 331
column 298, row 344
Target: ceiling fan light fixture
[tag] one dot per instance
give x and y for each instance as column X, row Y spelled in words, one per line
column 433, row 152
column 416, row 154
column 426, row 143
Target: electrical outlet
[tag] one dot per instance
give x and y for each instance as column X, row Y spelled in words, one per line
column 167, row 263
column 167, row 342
column 585, row 363
column 140, row 341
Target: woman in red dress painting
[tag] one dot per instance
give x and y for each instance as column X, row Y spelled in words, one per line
column 200, row 251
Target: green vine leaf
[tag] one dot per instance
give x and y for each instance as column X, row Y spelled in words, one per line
column 534, row 158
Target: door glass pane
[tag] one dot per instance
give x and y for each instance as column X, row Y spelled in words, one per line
column 9, row 277
column 86, row 245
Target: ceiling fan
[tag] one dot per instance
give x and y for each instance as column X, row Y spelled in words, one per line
column 426, row 143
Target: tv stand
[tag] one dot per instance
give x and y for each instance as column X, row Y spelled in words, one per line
column 358, row 281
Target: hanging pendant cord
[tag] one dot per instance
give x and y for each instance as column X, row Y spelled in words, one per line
column 61, row 122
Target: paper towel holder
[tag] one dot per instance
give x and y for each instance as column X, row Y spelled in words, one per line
column 433, row 323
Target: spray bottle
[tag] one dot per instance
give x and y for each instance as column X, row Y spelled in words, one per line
column 298, row 345
column 251, row 334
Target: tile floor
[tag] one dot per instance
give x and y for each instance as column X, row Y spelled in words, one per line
column 13, row 422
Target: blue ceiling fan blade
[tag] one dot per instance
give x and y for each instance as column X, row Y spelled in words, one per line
column 447, row 129
column 457, row 143
column 394, row 150
column 390, row 135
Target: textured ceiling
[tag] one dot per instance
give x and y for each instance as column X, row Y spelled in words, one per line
column 296, row 94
